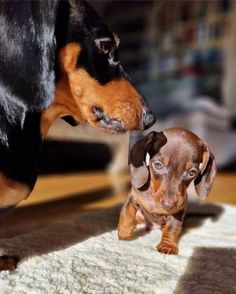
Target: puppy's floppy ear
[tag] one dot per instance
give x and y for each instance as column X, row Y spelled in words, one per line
column 204, row 180
column 150, row 145
column 139, row 175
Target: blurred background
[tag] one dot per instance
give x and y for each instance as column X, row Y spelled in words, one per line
column 182, row 57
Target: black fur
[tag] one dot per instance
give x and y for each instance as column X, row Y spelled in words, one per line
column 27, row 53
column 18, row 158
column 5, row 210
column 84, row 26
column 27, row 83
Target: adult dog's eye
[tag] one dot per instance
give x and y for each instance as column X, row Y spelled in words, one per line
column 106, row 46
column 157, row 165
column 192, row 173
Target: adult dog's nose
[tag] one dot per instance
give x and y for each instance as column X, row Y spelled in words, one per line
column 148, row 119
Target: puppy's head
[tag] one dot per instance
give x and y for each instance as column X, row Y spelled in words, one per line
column 174, row 159
column 96, row 84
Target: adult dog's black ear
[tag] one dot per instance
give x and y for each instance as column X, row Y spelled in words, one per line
column 204, row 180
column 150, row 144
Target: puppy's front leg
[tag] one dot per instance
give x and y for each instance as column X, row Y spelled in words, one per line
column 127, row 220
column 170, row 234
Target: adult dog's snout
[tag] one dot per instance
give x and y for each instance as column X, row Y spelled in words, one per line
column 148, row 119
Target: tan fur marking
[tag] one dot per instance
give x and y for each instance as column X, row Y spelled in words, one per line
column 12, row 192
column 63, row 104
column 77, row 93
column 189, row 165
column 118, row 99
column 155, row 184
column 166, row 160
column 68, row 57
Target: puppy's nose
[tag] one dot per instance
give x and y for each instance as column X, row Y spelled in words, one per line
column 167, row 204
column 148, row 119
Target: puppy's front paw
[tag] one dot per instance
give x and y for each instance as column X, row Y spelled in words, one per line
column 8, row 263
column 167, row 248
column 124, row 234
column 124, row 237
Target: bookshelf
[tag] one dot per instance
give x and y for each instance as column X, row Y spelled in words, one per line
column 168, row 45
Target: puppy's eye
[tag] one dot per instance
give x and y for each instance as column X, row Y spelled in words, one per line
column 192, row 173
column 157, row 165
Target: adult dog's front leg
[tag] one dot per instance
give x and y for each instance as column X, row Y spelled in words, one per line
column 170, row 236
column 11, row 194
column 127, row 220
column 8, row 263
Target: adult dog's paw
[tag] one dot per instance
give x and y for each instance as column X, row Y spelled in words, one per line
column 167, row 248
column 8, row 263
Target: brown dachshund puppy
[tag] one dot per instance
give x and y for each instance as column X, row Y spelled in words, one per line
column 162, row 167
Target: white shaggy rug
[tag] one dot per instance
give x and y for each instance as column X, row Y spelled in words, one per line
column 94, row 261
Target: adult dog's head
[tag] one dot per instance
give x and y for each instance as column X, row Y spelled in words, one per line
column 92, row 85
column 57, row 59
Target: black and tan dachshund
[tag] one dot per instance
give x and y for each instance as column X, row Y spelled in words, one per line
column 57, row 59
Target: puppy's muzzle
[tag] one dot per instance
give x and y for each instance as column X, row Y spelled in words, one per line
column 167, row 204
